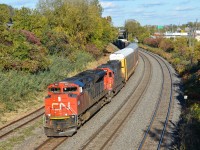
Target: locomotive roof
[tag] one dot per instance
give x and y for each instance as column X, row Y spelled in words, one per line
column 123, row 53
column 110, row 64
column 86, row 76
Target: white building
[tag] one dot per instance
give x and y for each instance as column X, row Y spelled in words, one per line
column 175, row 34
column 183, row 34
column 197, row 35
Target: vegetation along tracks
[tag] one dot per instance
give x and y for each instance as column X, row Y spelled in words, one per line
column 102, row 137
column 9, row 128
column 154, row 135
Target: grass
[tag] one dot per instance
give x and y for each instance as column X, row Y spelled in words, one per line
column 18, row 88
column 22, row 135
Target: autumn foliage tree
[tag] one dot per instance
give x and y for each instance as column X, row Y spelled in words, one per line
column 23, row 53
column 80, row 20
column 166, row 45
column 154, row 42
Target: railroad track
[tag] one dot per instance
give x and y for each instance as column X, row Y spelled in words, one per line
column 104, row 136
column 13, row 126
column 154, row 135
column 48, row 143
column 51, row 143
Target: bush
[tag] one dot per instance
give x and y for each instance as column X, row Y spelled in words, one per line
column 154, row 42
column 166, row 45
column 17, row 86
column 92, row 49
column 56, row 43
column 21, row 54
column 31, row 37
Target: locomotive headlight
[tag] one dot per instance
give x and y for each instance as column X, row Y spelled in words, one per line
column 49, row 115
column 72, row 116
column 59, row 99
column 65, row 114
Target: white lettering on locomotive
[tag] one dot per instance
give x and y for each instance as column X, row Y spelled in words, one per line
column 59, row 105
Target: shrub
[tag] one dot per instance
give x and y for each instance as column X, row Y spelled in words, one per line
column 154, row 42
column 56, row 43
column 166, row 45
column 17, row 86
column 31, row 37
column 92, row 49
column 24, row 53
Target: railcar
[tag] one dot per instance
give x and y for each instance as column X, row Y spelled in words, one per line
column 129, row 59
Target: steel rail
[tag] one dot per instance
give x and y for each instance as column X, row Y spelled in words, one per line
column 51, row 143
column 158, row 103
column 110, row 118
column 123, row 120
column 17, row 124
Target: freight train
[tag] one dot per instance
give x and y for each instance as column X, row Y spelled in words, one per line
column 74, row 100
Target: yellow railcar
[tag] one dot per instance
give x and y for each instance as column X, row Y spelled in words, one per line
column 129, row 59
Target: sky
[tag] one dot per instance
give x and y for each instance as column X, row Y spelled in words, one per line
column 146, row 12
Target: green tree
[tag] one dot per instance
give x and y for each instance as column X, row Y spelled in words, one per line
column 135, row 30
column 31, row 20
column 181, row 45
column 80, row 20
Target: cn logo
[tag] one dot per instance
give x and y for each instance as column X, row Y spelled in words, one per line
column 59, row 106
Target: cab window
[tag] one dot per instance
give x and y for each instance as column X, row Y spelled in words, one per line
column 69, row 89
column 110, row 74
column 54, row 90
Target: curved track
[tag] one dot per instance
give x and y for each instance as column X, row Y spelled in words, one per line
column 107, row 132
column 160, row 117
column 143, row 80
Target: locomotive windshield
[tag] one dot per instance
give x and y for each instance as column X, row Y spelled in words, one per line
column 54, row 90
column 69, row 89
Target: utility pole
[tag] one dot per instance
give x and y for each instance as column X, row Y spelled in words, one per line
column 193, row 40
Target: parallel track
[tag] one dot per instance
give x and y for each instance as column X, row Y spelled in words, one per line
column 162, row 110
column 9, row 128
column 48, row 143
column 51, row 143
column 101, row 138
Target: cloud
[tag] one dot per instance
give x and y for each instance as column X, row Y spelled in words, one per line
column 152, row 4
column 188, row 8
column 107, row 5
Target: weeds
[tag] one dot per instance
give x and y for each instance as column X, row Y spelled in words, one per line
column 18, row 87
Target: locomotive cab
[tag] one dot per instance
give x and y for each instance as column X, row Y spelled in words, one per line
column 60, row 109
column 108, row 79
column 113, row 80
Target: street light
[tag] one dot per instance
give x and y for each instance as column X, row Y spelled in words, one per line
column 191, row 42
